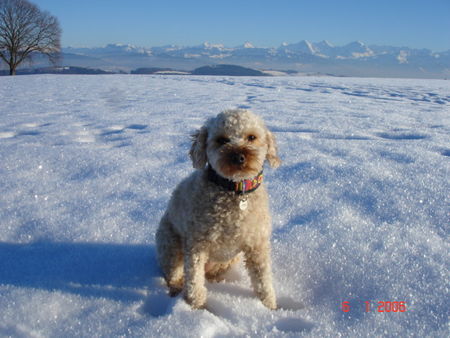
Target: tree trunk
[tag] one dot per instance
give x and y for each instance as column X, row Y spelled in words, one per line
column 12, row 70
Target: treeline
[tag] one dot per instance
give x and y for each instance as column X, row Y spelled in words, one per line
column 226, row 70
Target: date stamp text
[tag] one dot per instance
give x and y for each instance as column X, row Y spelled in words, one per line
column 381, row 306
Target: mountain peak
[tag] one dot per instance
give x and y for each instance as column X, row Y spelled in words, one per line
column 358, row 43
column 120, row 45
column 303, row 46
column 325, row 43
column 208, row 45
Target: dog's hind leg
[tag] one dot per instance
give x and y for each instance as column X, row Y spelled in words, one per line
column 170, row 256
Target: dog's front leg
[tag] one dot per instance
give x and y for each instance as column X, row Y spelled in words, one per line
column 194, row 263
column 257, row 261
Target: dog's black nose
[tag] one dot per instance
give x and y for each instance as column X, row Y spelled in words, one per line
column 238, row 158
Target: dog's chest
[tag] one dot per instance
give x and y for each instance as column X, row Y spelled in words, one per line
column 228, row 231
column 227, row 219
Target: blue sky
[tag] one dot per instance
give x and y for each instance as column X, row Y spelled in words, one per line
column 146, row 23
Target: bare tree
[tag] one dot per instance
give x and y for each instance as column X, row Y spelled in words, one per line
column 25, row 31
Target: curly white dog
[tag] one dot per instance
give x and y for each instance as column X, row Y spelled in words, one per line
column 221, row 210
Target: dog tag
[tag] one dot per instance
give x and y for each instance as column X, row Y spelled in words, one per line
column 243, row 204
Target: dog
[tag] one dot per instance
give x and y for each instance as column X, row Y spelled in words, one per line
column 221, row 211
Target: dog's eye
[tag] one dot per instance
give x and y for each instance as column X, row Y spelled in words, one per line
column 223, row 140
column 251, row 138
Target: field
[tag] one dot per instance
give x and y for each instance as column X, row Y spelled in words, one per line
column 360, row 205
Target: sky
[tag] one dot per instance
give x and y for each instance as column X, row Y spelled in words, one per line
column 147, row 23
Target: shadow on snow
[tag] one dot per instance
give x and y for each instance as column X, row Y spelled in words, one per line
column 114, row 271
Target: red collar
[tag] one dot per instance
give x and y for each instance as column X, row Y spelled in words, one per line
column 241, row 187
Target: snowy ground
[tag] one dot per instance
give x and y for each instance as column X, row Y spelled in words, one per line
column 360, row 205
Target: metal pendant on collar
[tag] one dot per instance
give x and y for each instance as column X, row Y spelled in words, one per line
column 243, row 204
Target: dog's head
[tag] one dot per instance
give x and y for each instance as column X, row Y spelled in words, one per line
column 235, row 143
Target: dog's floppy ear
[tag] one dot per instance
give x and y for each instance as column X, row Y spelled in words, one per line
column 198, row 148
column 272, row 155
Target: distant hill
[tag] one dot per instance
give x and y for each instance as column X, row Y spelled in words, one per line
column 229, row 70
column 151, row 70
column 225, row 70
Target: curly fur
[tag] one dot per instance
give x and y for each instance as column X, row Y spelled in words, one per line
column 203, row 231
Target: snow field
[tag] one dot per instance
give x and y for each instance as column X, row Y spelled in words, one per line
column 360, row 205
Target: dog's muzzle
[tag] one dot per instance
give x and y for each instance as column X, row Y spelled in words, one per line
column 237, row 158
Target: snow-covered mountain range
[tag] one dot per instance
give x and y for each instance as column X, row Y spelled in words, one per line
column 353, row 59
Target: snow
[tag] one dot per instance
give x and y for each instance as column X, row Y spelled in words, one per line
column 360, row 205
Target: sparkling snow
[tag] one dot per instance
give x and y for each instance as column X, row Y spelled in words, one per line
column 360, row 205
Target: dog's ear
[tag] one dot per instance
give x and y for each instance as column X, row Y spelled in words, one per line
column 198, row 148
column 272, row 154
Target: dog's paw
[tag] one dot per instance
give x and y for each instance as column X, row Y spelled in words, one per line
column 174, row 291
column 270, row 302
column 196, row 303
column 272, row 305
column 196, row 298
